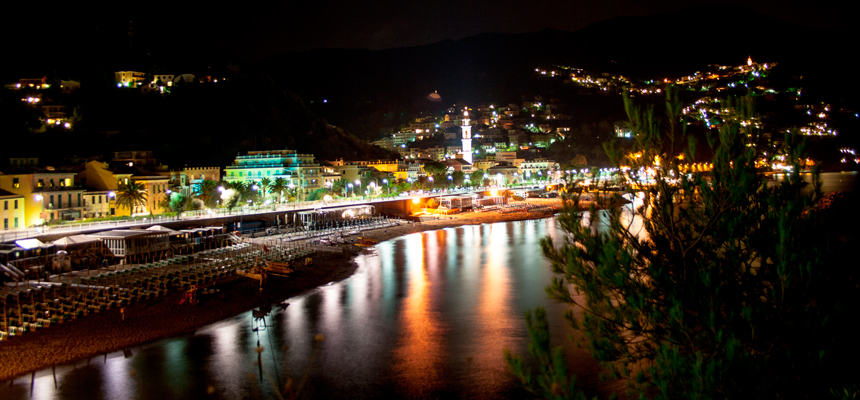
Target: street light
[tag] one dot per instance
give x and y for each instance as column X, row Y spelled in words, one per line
column 349, row 185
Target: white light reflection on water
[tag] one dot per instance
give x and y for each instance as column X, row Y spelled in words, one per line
column 227, row 354
column 116, row 376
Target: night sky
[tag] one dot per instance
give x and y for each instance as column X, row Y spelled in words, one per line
column 255, row 33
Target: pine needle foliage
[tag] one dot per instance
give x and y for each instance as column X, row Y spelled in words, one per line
column 726, row 292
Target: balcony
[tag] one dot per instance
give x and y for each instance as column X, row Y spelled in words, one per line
column 55, row 188
column 257, row 166
column 265, row 156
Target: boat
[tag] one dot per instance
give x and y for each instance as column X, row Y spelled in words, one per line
column 278, row 269
column 366, row 242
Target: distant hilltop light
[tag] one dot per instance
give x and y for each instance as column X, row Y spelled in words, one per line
column 749, row 61
column 434, row 96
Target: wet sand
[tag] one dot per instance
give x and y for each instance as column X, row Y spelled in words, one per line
column 164, row 317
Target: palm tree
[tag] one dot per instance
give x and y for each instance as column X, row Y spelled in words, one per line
column 292, row 193
column 338, row 186
column 265, row 184
column 176, row 202
column 131, row 195
column 246, row 192
column 279, row 187
column 208, row 193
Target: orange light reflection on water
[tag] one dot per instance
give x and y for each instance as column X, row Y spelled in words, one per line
column 492, row 311
column 419, row 354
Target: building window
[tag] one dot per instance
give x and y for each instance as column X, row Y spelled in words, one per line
column 16, row 204
column 16, row 222
column 59, row 201
column 6, row 205
column 5, row 223
column 41, row 183
column 100, row 199
column 93, row 199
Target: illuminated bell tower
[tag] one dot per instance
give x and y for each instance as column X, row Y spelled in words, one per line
column 467, row 138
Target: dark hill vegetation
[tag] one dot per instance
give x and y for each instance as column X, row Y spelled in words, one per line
column 367, row 91
column 197, row 124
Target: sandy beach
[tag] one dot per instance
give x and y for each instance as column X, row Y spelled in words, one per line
column 164, row 317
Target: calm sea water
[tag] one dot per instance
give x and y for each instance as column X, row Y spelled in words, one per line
column 427, row 316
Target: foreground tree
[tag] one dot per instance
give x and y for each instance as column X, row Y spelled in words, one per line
column 734, row 290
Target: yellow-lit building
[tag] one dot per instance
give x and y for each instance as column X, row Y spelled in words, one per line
column 129, row 78
column 48, row 194
column 98, row 176
column 483, row 165
column 11, row 210
column 98, row 204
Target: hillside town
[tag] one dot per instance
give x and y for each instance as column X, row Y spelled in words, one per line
column 483, row 145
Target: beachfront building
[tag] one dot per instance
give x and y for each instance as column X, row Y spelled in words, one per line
column 100, row 178
column 300, row 170
column 48, row 194
column 138, row 245
column 542, row 165
column 11, row 210
column 188, row 180
column 98, row 204
column 505, row 173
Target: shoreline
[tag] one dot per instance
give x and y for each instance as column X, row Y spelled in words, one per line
column 163, row 317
